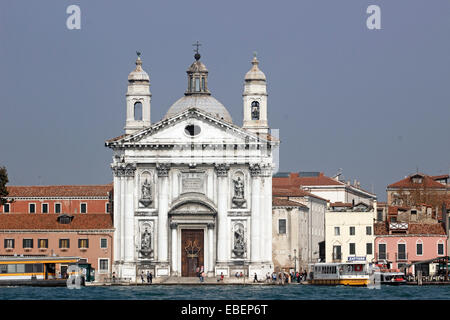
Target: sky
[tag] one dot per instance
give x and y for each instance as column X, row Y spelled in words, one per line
column 372, row 102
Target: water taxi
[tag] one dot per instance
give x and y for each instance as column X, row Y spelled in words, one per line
column 391, row 277
column 352, row 273
column 32, row 268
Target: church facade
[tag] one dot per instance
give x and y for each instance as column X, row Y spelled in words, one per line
column 194, row 190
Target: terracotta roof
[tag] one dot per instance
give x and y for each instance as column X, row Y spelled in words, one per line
column 280, row 202
column 293, row 192
column 45, row 221
column 341, row 204
column 295, row 180
column 394, row 209
column 442, row 176
column 60, row 191
column 427, row 182
column 381, row 228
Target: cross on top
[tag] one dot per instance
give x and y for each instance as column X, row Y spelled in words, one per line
column 197, row 44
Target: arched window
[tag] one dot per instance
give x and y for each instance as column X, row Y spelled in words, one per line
column 138, row 111
column 255, row 110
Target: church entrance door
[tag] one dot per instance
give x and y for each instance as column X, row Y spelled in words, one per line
column 192, row 246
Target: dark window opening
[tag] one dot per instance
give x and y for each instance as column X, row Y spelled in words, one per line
column 192, row 130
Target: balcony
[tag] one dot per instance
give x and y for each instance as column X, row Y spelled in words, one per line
column 382, row 256
column 401, row 256
column 337, row 257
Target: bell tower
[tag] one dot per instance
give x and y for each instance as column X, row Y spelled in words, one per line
column 255, row 100
column 138, row 99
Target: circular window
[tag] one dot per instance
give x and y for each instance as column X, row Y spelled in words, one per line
column 192, row 130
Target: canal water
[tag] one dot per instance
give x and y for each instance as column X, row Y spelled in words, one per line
column 228, row 292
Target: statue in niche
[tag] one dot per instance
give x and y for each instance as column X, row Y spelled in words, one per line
column 238, row 198
column 146, row 243
column 255, row 110
column 239, row 241
column 146, row 193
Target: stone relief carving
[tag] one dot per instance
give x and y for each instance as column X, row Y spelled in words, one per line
column 239, row 244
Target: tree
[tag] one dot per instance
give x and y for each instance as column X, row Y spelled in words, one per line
column 3, row 181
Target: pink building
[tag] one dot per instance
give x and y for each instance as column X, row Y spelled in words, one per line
column 63, row 221
column 400, row 243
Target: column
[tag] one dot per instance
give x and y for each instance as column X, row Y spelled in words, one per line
column 163, row 207
column 174, row 260
column 211, row 247
column 117, row 213
column 222, row 205
column 255, row 236
column 267, row 223
column 123, row 232
column 129, row 212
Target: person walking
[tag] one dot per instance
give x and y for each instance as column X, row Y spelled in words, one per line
column 255, row 279
column 142, row 276
column 149, row 279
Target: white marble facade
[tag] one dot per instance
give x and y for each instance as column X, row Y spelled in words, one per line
column 193, row 170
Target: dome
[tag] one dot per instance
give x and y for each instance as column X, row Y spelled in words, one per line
column 255, row 73
column 138, row 74
column 206, row 103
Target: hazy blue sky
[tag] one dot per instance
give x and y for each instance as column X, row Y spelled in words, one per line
column 375, row 103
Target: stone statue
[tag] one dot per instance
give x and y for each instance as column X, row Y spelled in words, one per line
column 146, row 244
column 146, row 193
column 239, row 241
column 238, row 198
column 146, row 240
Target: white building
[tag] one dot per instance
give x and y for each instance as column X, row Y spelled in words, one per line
column 194, row 189
column 349, row 232
column 298, row 228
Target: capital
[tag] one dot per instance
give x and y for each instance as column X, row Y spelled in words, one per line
column 163, row 169
column 222, row 169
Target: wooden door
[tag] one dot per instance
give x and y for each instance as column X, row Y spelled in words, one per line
column 192, row 246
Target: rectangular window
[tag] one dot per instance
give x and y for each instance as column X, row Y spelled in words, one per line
column 381, row 251
column 57, row 207
column 9, row 243
column 336, row 252
column 103, row 265
column 83, row 208
column 43, row 243
column 197, row 85
column 27, row 243
column 368, row 230
column 337, row 231
column 440, row 249
column 380, row 215
column 282, row 226
column 45, row 208
column 401, row 251
column 368, row 248
column 6, row 208
column 352, row 249
column 107, row 207
column 103, row 243
column 83, row 243
column 64, row 243
column 352, row 231
column 419, row 249
column 32, row 208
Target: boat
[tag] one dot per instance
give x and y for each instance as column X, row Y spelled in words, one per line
column 39, row 269
column 391, row 277
column 352, row 273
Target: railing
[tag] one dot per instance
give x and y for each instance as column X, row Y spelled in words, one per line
column 337, row 257
column 401, row 256
column 382, row 256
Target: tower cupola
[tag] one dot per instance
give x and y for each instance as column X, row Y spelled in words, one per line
column 138, row 99
column 255, row 99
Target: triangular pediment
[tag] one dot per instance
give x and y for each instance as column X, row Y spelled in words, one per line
column 193, row 126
